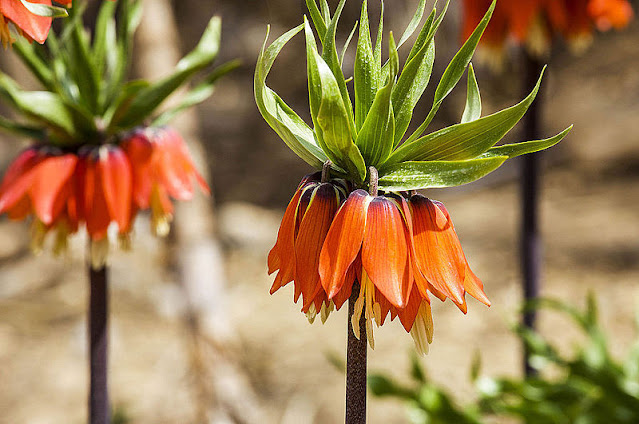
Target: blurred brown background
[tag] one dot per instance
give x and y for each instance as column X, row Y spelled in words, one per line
column 230, row 352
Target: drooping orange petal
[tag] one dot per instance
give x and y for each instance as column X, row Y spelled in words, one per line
column 343, row 241
column 472, row 284
column 20, row 209
column 34, row 26
column 475, row 287
column 18, row 178
column 96, row 209
column 609, row 14
column 284, row 248
column 115, row 172
column 312, row 233
column 51, row 175
column 438, row 254
column 385, row 253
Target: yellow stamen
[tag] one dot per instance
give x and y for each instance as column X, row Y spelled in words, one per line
column 61, row 238
column 311, row 314
column 366, row 303
column 422, row 331
column 38, row 233
column 5, row 32
column 325, row 312
column 124, row 241
column 160, row 220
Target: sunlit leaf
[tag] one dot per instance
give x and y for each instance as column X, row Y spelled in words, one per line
column 472, row 111
column 416, row 175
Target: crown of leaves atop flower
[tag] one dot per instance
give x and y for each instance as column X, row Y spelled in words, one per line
column 371, row 131
column 86, row 98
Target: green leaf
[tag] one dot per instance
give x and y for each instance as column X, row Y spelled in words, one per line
column 149, row 99
column 45, row 10
column 284, row 121
column 197, row 94
column 28, row 131
column 467, row 140
column 365, row 74
column 330, row 56
column 326, row 11
column 317, row 18
column 454, row 71
column 104, row 28
column 433, row 174
column 414, row 22
column 377, row 52
column 332, row 125
column 518, row 149
column 83, row 67
column 118, row 106
column 347, row 43
column 375, row 139
column 410, row 86
column 37, row 66
column 472, row 111
column 42, row 106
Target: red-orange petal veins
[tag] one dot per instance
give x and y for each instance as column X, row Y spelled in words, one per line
column 385, row 252
column 343, row 242
column 438, row 254
column 311, row 235
column 50, row 176
column 115, row 172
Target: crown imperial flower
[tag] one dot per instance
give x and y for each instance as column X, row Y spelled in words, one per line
column 372, row 239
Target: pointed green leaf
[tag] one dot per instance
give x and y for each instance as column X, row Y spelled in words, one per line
column 317, row 18
column 104, row 24
column 149, row 99
column 284, row 121
column 375, row 139
column 377, row 52
column 365, row 74
column 464, row 141
column 37, row 66
column 197, row 94
column 433, row 174
column 472, row 111
column 347, row 43
column 42, row 106
column 454, row 71
column 326, row 11
column 425, row 35
column 414, row 22
column 518, row 149
column 330, row 56
column 29, row 131
column 332, row 125
column 410, row 86
column 84, row 71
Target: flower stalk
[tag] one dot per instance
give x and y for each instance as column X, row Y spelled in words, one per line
column 99, row 409
column 356, row 365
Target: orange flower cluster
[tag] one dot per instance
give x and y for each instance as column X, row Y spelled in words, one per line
column 535, row 22
column 100, row 184
column 399, row 248
column 29, row 25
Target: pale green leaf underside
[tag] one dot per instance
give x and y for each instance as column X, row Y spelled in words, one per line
column 416, row 175
column 467, row 140
column 285, row 122
column 472, row 111
column 523, row 148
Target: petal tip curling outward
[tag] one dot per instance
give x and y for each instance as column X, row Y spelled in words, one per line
column 343, row 242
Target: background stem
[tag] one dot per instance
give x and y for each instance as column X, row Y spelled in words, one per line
column 99, row 411
column 530, row 180
column 356, row 366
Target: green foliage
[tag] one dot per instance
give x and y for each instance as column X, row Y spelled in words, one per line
column 587, row 387
column 370, row 130
column 85, row 98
